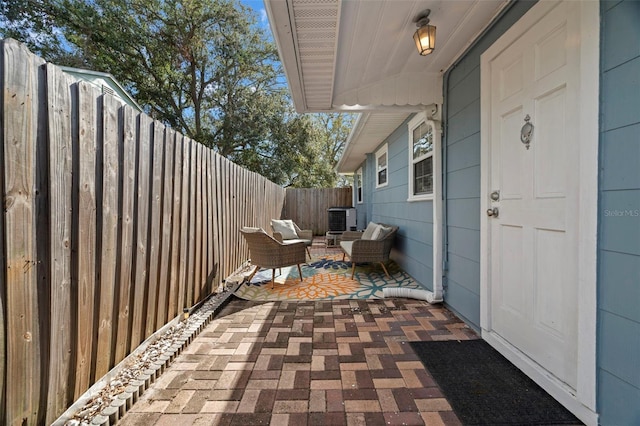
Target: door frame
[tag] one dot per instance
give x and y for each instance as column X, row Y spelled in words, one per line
column 582, row 400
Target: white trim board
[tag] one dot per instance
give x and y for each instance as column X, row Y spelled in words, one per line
column 582, row 400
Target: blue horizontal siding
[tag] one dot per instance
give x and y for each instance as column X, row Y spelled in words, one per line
column 465, row 273
column 467, row 307
column 465, row 183
column 622, row 159
column 618, row 392
column 413, row 249
column 462, row 121
column 464, row 242
column 464, row 153
column 465, row 122
column 621, row 86
column 463, row 213
column 621, row 295
column 619, row 405
column 620, row 221
column 618, row 332
column 617, row 40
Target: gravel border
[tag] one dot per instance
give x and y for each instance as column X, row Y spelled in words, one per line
column 113, row 395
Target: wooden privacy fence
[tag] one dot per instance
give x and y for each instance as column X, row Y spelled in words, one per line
column 307, row 207
column 112, row 224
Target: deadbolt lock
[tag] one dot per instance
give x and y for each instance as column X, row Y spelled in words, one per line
column 495, row 195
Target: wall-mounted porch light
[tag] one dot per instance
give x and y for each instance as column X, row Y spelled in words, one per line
column 425, row 35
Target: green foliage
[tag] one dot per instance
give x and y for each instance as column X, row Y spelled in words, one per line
column 202, row 66
column 30, row 22
column 326, row 143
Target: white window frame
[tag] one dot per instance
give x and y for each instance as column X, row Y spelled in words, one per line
column 384, row 150
column 359, row 186
column 435, row 197
column 415, row 122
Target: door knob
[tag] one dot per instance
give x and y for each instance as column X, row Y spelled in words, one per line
column 492, row 212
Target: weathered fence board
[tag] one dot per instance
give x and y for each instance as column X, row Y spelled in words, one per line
column 127, row 166
column 141, row 230
column 112, row 225
column 109, row 224
column 228, row 216
column 211, row 221
column 21, row 106
column 167, row 229
column 155, row 233
column 206, row 219
column 59, row 111
column 175, row 280
column 217, row 226
column 197, row 219
column 191, row 215
column 307, row 207
column 85, row 232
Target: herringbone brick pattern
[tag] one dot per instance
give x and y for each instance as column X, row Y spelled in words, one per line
column 345, row 362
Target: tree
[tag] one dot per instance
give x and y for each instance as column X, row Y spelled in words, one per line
column 327, row 142
column 201, row 66
column 29, row 22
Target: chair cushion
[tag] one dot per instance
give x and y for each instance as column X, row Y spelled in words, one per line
column 368, row 233
column 297, row 240
column 284, row 227
column 347, row 246
column 381, row 232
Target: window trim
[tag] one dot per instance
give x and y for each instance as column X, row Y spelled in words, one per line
column 359, row 187
column 415, row 122
column 379, row 153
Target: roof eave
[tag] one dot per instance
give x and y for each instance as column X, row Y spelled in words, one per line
column 280, row 22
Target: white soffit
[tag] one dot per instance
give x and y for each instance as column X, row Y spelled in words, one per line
column 306, row 32
column 359, row 55
column 369, row 131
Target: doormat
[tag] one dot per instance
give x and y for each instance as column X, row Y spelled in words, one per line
column 484, row 388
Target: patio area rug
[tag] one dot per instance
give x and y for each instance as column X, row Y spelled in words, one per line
column 484, row 388
column 325, row 278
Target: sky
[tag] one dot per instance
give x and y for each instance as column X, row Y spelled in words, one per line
column 258, row 6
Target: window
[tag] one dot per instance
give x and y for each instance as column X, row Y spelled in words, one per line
column 357, row 180
column 382, row 167
column 422, row 146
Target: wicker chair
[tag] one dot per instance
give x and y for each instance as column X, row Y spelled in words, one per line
column 304, row 235
column 266, row 252
column 367, row 251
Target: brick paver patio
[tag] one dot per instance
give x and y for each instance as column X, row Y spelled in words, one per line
column 344, row 362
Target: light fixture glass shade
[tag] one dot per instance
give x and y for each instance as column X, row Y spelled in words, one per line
column 425, row 38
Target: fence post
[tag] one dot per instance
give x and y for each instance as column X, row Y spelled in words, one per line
column 25, row 290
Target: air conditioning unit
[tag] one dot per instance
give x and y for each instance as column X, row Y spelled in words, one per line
column 342, row 219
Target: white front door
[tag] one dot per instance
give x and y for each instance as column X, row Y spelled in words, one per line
column 534, row 236
column 532, row 85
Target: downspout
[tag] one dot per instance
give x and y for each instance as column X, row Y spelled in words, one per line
column 445, row 198
column 437, row 295
column 438, row 291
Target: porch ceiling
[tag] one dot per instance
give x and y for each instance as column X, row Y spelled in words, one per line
column 369, row 131
column 359, row 56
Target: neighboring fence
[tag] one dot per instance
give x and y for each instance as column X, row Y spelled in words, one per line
column 307, row 207
column 111, row 225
